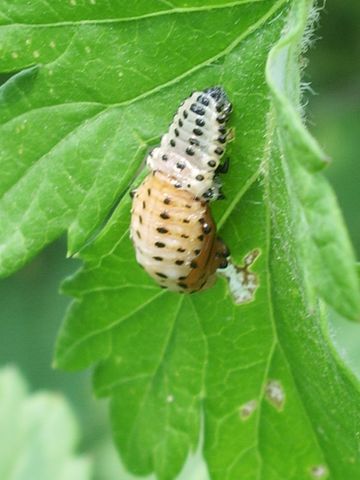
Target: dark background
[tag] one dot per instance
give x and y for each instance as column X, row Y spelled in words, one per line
column 31, row 308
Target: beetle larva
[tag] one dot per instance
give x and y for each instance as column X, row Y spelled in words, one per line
column 172, row 228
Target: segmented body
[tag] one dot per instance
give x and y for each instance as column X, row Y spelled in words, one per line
column 172, row 228
column 175, row 236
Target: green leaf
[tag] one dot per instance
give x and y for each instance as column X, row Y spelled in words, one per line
column 258, row 386
column 38, row 434
column 74, row 129
column 325, row 250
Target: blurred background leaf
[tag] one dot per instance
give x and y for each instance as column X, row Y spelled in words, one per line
column 334, row 118
column 38, row 434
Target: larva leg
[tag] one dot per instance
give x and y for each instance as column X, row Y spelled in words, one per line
column 230, row 136
column 223, row 167
column 132, row 192
column 214, row 192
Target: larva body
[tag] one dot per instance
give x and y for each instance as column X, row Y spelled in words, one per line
column 175, row 236
column 171, row 227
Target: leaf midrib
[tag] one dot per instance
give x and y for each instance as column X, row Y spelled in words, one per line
column 276, row 339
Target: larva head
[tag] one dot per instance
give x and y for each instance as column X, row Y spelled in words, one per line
column 192, row 149
column 223, row 106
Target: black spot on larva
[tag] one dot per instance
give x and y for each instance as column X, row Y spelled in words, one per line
column 197, row 131
column 212, row 163
column 164, row 158
column 182, row 285
column 138, row 233
column 221, row 118
column 202, row 220
column 162, row 275
column 200, row 122
column 204, row 100
column 201, row 238
column 189, row 185
column 180, row 122
column 132, row 193
column 181, row 278
column 159, row 244
column 190, row 151
column 164, row 286
column 180, row 165
column 176, row 131
column 219, row 151
column 197, row 109
column 206, row 228
column 149, row 191
column 144, row 205
column 185, row 114
column 186, row 220
column 188, row 206
column 182, row 250
column 183, row 235
column 167, row 201
column 219, row 108
column 200, row 178
column 222, row 139
column 223, row 264
column 177, row 185
column 179, row 262
column 172, row 142
column 164, row 215
column 222, row 130
column 203, row 283
column 162, row 230
column 140, row 219
column 159, row 259
column 193, row 264
column 197, row 251
column 194, row 141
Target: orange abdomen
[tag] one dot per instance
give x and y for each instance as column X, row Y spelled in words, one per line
column 175, row 236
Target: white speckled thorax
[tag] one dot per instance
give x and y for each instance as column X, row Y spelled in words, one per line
column 191, row 150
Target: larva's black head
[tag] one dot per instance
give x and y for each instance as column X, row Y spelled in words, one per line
column 216, row 92
column 222, row 102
